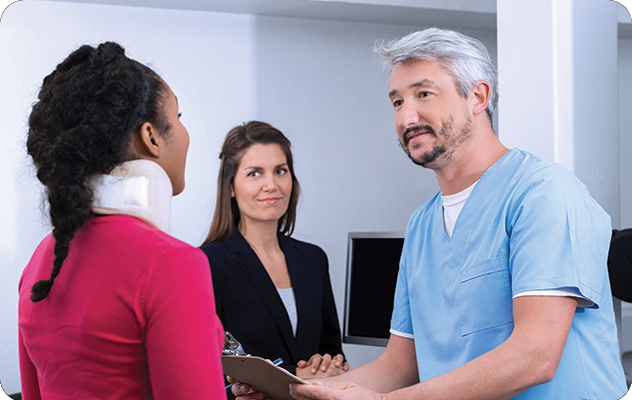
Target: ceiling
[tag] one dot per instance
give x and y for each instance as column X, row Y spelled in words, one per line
column 463, row 14
column 455, row 14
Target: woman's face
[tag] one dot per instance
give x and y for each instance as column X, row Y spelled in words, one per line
column 173, row 160
column 262, row 185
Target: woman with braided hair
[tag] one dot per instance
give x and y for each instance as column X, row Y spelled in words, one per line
column 111, row 306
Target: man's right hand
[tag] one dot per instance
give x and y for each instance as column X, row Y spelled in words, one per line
column 318, row 390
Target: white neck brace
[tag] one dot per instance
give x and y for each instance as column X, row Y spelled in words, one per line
column 140, row 188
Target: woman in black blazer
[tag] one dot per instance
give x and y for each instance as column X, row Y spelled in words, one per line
column 272, row 292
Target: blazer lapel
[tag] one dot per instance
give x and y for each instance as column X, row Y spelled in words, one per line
column 301, row 287
column 260, row 280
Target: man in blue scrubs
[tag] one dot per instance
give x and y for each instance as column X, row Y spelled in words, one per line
column 503, row 289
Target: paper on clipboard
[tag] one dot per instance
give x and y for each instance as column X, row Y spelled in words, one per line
column 261, row 375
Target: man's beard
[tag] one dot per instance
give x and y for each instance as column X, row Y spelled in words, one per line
column 447, row 144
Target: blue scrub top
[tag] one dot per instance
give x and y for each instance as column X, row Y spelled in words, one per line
column 528, row 224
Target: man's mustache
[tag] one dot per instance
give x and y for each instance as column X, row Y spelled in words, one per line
column 414, row 129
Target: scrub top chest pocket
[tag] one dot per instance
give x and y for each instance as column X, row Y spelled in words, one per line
column 485, row 299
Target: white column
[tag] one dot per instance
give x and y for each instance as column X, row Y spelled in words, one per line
column 557, row 67
column 558, row 83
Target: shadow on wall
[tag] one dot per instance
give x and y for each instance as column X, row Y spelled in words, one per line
column 626, row 361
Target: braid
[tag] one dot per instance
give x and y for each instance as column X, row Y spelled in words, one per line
column 87, row 110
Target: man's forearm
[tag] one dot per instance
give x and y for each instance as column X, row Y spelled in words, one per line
column 394, row 369
column 528, row 358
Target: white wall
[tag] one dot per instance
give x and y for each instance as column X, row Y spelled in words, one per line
column 336, row 110
column 625, row 131
column 625, row 171
column 212, row 77
column 318, row 81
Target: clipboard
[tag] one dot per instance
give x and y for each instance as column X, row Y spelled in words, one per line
column 261, row 375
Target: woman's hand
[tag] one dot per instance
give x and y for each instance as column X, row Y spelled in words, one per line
column 244, row 392
column 321, row 366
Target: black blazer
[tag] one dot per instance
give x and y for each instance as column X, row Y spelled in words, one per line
column 250, row 307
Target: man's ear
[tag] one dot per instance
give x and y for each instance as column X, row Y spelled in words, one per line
column 480, row 97
column 149, row 141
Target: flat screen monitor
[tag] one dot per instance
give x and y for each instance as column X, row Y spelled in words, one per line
column 372, row 266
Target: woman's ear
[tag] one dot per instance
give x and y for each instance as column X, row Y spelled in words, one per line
column 147, row 142
column 151, row 139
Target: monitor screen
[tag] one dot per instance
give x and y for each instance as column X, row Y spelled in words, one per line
column 372, row 266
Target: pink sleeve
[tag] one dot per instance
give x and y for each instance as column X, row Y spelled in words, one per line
column 28, row 373
column 184, row 336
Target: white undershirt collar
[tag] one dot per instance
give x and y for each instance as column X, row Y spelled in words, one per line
column 452, row 206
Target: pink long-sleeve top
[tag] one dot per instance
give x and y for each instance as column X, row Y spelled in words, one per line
column 130, row 316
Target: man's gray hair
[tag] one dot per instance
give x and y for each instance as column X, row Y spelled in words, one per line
column 466, row 58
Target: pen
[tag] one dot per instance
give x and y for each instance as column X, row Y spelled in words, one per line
column 276, row 362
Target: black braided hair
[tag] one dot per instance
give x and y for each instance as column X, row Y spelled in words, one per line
column 82, row 125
